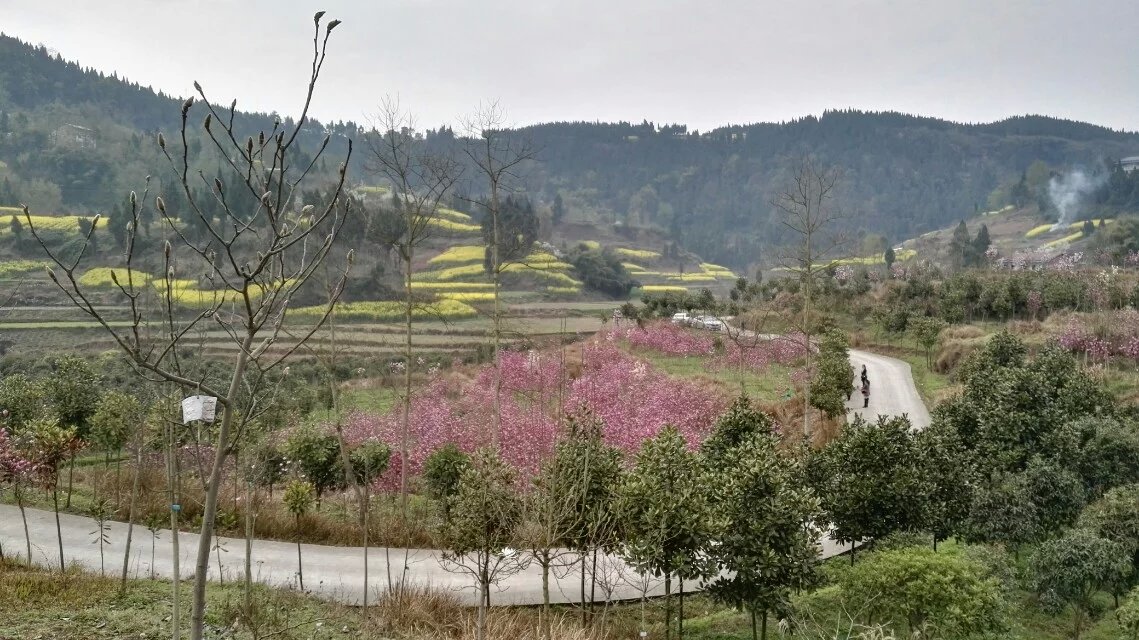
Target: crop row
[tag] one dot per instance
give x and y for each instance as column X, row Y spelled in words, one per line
column 389, row 311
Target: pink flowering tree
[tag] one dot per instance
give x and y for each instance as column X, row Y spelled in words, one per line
column 16, row 471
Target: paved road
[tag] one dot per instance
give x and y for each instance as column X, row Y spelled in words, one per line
column 337, row 572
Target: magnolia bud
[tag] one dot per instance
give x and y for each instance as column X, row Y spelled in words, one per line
column 217, row 185
column 332, row 25
column 160, row 204
column 167, row 249
column 209, row 119
column 266, row 198
column 134, row 200
column 197, row 87
column 249, row 146
column 307, row 210
column 161, row 140
column 187, row 104
column 318, row 16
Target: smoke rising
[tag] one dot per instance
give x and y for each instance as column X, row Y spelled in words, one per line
column 1068, row 191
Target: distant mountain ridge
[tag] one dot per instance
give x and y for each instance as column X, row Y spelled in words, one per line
column 710, row 193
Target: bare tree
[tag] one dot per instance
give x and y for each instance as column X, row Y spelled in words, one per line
column 810, row 213
column 497, row 157
column 257, row 257
column 420, row 180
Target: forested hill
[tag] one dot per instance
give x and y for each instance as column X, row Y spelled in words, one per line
column 710, row 192
column 904, row 174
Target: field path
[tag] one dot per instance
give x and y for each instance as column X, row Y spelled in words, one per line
column 337, row 573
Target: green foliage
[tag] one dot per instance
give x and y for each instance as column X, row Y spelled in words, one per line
column 664, row 508
column 73, row 390
column 1057, row 493
column 833, row 376
column 584, row 478
column 947, row 473
column 517, row 229
column 925, row 331
column 869, row 480
column 441, row 473
column 267, row 465
column 1115, row 517
column 763, row 519
column 927, row 594
column 1128, row 615
column 1002, row 512
column 23, row 398
column 370, row 460
column 739, row 424
column 485, row 509
column 1106, row 451
column 50, row 445
column 115, row 418
column 1012, row 409
column 1069, row 571
column 316, row 456
column 603, row 271
column 299, row 497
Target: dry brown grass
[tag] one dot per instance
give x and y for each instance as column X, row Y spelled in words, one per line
column 420, row 613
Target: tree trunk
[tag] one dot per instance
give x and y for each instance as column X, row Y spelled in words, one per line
column 763, row 626
column 58, row 529
column 248, row 588
column 667, row 605
column 300, row 564
column 130, row 516
column 754, row 631
column 70, row 478
column 583, row 589
column 546, row 626
column 173, row 486
column 209, row 516
column 680, row 613
column 593, row 585
column 496, row 272
column 24, row 518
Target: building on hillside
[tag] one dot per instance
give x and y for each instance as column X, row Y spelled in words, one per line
column 1130, row 164
column 73, row 135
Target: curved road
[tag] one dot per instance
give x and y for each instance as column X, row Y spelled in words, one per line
column 337, row 572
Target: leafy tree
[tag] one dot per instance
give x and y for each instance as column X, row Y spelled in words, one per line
column 299, row 497
column 1128, row 615
column 369, row 461
column 1057, row 493
column 441, row 472
column 665, row 515
column 603, row 271
column 925, row 331
column 316, row 456
column 513, row 231
column 22, row 400
column 485, row 513
column 1012, row 408
column 1115, row 517
column 50, row 445
column 116, row 417
column 736, row 426
column 833, row 376
column 1003, row 512
column 559, row 209
column 961, row 247
column 981, row 244
column 1106, row 451
column 266, row 466
column 889, row 258
column 73, row 390
column 869, row 480
column 947, row 473
column 929, row 594
column 1069, row 571
column 766, row 540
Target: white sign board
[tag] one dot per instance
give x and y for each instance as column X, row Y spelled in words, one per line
column 199, row 408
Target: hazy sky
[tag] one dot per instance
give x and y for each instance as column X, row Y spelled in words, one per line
column 700, row 62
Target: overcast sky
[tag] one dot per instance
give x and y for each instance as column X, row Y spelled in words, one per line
column 699, row 62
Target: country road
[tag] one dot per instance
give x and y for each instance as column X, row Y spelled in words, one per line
column 337, row 572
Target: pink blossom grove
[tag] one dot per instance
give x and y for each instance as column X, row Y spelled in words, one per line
column 632, row 398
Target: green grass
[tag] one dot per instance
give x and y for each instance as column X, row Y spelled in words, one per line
column 79, row 606
column 766, row 386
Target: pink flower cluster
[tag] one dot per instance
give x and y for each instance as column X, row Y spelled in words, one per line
column 633, row 399
column 14, row 465
column 1132, row 259
column 1122, row 339
column 664, row 337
